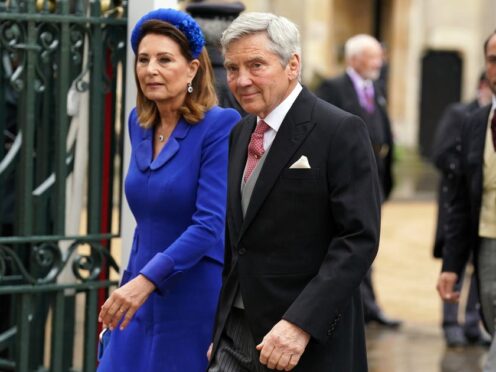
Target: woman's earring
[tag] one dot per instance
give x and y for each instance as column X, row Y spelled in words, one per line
column 190, row 88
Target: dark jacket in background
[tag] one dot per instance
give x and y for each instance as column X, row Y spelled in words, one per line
column 446, row 158
column 462, row 230
column 341, row 92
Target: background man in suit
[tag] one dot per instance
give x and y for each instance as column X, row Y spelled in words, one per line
column 472, row 217
column 357, row 91
column 446, row 157
column 303, row 214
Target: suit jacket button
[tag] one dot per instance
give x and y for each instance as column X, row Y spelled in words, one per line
column 241, row 251
column 329, row 332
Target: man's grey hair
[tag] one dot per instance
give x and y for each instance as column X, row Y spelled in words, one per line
column 283, row 34
column 357, row 44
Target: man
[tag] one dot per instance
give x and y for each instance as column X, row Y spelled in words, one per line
column 446, row 157
column 472, row 215
column 357, row 91
column 303, row 215
column 214, row 17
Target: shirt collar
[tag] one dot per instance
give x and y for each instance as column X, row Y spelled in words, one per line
column 275, row 117
column 358, row 81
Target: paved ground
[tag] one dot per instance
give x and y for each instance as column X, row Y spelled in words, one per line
column 405, row 275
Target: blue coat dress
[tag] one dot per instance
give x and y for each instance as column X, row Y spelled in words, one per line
column 178, row 200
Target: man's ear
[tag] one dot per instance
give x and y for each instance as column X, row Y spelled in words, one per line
column 294, row 66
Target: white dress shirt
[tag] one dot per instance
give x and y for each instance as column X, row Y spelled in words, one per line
column 276, row 116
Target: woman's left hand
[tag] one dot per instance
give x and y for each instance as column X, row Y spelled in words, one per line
column 125, row 301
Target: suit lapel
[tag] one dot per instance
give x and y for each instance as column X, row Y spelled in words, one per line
column 379, row 98
column 172, row 146
column 294, row 129
column 144, row 150
column 237, row 161
column 351, row 93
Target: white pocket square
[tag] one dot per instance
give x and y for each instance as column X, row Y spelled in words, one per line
column 301, row 163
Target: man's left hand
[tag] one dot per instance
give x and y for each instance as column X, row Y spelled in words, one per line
column 283, row 346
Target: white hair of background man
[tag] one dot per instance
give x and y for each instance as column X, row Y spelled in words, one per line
column 355, row 45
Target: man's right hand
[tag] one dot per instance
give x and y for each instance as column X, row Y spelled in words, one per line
column 209, row 351
column 445, row 286
column 283, row 346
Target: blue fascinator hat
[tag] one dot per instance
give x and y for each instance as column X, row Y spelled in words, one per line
column 180, row 20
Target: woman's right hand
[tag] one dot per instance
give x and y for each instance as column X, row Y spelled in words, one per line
column 125, row 301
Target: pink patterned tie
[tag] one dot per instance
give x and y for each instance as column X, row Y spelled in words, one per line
column 255, row 148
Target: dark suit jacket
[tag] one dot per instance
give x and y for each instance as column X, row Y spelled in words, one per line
column 462, row 230
column 446, row 158
column 309, row 235
column 341, row 92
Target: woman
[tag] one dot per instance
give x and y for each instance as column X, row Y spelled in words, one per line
column 162, row 315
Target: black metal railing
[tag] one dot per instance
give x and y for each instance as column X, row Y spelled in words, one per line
column 62, row 69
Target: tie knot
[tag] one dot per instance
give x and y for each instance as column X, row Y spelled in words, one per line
column 261, row 127
column 255, row 148
column 368, row 89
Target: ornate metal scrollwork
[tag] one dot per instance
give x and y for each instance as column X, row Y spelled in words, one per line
column 78, row 35
column 48, row 262
column 91, row 263
column 115, row 42
column 10, row 34
column 31, row 41
column 48, row 39
column 13, row 34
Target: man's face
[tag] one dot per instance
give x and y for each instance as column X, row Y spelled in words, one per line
column 256, row 76
column 491, row 63
column 368, row 63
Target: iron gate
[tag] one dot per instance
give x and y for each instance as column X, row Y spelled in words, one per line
column 61, row 112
